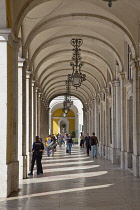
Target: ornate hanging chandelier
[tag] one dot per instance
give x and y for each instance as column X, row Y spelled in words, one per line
column 67, row 99
column 76, row 77
column 110, row 2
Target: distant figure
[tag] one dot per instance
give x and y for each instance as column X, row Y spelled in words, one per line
column 87, row 141
column 94, row 144
column 69, row 143
column 48, row 141
column 82, row 140
column 41, row 169
column 60, row 140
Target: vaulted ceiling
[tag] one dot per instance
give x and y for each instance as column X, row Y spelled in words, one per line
column 46, row 28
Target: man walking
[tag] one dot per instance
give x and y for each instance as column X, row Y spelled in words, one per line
column 94, row 144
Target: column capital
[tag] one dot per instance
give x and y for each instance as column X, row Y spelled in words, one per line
column 14, row 41
column 101, row 95
column 28, row 74
column 122, row 75
column 37, row 89
column 137, row 63
column 26, row 63
column 39, row 94
column 4, row 33
column 115, row 83
column 106, row 90
column 21, row 62
column 33, row 83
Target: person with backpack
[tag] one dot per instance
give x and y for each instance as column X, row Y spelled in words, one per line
column 94, row 144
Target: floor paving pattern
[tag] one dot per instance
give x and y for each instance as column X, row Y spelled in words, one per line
column 76, row 182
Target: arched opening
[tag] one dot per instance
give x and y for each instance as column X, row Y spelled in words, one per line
column 72, row 123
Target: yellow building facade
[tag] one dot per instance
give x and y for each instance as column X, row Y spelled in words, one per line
column 61, row 124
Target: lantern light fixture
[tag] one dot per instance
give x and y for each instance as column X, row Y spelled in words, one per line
column 110, row 2
column 76, row 77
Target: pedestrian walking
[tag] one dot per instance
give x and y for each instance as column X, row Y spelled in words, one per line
column 69, row 143
column 87, row 142
column 94, row 145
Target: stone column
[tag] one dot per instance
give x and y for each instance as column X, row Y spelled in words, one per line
column 9, row 46
column 115, row 119
column 84, row 121
column 36, row 110
column 46, row 113
column 113, row 145
column 102, row 140
column 94, row 115
column 136, row 118
column 20, row 101
column 33, row 111
column 107, row 123
column 39, row 113
column 27, row 117
column 50, row 121
column 24, row 145
column 123, row 118
column 4, row 139
column 88, row 121
column 118, row 125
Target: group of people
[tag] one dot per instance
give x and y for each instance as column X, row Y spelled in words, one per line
column 91, row 143
column 66, row 140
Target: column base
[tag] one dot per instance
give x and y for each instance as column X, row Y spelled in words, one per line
column 107, row 153
column 100, row 149
column 24, row 166
column 9, row 180
column 136, row 165
column 103, row 150
column 29, row 160
column 115, row 155
column 129, row 160
column 20, row 167
column 123, row 158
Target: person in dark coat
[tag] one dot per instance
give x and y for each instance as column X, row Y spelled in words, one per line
column 87, row 142
column 37, row 155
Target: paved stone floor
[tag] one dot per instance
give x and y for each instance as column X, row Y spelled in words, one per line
column 76, row 182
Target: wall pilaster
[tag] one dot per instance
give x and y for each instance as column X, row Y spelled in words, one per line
column 136, row 118
column 20, row 102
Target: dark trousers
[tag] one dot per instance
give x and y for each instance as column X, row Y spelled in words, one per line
column 36, row 157
column 88, row 148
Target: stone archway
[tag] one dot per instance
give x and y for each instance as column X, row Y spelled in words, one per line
column 63, row 125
